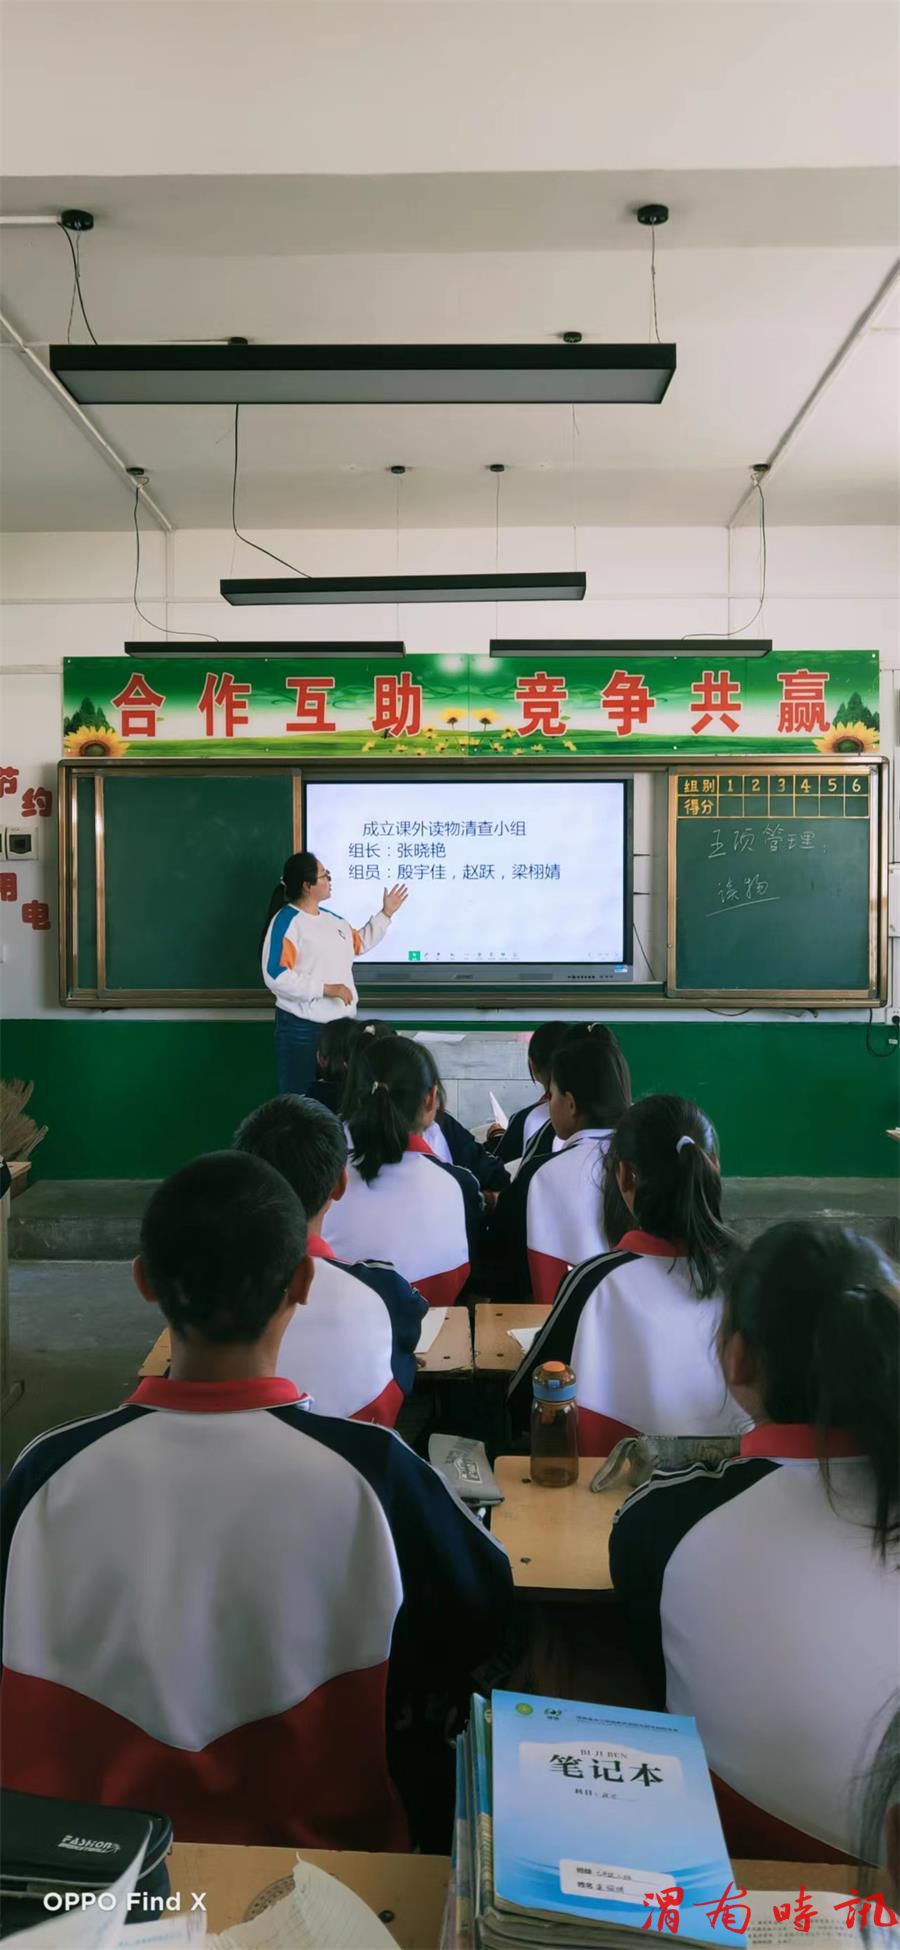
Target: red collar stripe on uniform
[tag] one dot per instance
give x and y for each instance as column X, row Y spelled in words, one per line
column 214, row 1397
column 798, row 1441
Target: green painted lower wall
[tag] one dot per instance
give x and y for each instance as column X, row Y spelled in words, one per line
column 136, row 1099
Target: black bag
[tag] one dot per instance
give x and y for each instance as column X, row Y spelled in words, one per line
column 49, row 1849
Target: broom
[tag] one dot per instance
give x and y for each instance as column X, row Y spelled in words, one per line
column 19, row 1134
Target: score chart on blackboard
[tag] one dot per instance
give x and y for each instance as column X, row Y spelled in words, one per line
column 772, row 876
column 502, row 874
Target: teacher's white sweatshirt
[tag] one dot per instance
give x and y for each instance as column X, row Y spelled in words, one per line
column 305, row 953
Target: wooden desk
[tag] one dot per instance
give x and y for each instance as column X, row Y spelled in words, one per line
column 159, row 1356
column 495, row 1352
column 414, row 1887
column 557, row 1540
column 450, row 1354
column 837, row 1876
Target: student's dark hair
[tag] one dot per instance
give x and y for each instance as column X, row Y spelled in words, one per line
column 592, row 1067
column 673, row 1150
column 388, row 1079
column 302, row 1140
column 335, row 1047
column 220, row 1242
column 541, row 1045
column 298, row 873
column 375, row 1026
column 819, row 1308
column 435, row 1079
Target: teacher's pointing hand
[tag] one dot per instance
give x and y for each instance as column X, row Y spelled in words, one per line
column 394, row 897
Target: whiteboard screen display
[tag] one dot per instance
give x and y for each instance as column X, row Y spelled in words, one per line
column 502, row 874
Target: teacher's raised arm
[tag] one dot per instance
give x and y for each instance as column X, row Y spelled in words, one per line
column 307, row 962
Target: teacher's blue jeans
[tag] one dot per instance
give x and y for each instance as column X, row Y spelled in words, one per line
column 296, row 1042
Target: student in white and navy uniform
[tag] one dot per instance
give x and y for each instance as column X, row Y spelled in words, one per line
column 531, row 1129
column 638, row 1323
column 530, row 1238
column 351, row 1345
column 402, row 1204
column 307, row 963
column 216, row 1603
column 453, row 1144
column 590, row 1087
column 762, row 1592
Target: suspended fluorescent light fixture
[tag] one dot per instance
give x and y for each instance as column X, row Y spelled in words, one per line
column 563, row 586
column 679, row 646
column 364, row 375
column 182, row 647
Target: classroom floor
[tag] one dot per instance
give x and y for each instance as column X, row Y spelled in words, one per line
column 78, row 1333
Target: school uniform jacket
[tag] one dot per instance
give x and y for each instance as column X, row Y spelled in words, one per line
column 417, row 1214
column 214, row 1602
column 523, row 1126
column 305, row 953
column 351, row 1347
column 760, row 1605
column 563, row 1213
column 642, row 1345
column 454, row 1145
column 506, row 1272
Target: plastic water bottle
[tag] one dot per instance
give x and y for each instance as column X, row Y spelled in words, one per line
column 554, row 1426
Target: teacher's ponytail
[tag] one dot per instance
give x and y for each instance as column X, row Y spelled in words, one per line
column 298, row 873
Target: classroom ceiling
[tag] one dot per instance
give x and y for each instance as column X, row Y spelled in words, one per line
column 780, row 237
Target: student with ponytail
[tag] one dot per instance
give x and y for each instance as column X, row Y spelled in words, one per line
column 307, row 963
column 762, row 1591
column 550, row 1218
column 453, row 1144
column 638, row 1322
column 401, row 1204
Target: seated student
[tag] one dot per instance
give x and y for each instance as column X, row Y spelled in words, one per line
column 590, row 1087
column 638, row 1323
column 523, row 1266
column 762, row 1591
column 332, row 1056
column 351, row 1346
column 402, row 1204
column 531, row 1128
column 216, row 1603
column 453, row 1144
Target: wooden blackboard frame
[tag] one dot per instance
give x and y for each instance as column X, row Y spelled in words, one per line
column 72, row 993
column 612, row 1000
column 875, row 769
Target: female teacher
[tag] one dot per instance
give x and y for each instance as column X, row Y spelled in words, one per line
column 307, row 962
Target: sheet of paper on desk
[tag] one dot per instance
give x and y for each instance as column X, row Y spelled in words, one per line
column 431, row 1327
column 823, row 1931
column 524, row 1336
column 497, row 1112
column 320, row 1914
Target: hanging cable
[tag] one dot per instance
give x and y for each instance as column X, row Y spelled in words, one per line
column 655, row 320
column 245, row 538
column 76, row 289
column 575, row 450
column 692, row 635
column 161, row 627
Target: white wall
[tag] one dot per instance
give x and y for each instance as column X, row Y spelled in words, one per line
column 70, row 595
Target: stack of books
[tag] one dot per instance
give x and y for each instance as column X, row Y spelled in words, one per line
column 580, row 1825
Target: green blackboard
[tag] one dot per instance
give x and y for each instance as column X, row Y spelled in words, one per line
column 774, row 882
column 170, row 873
